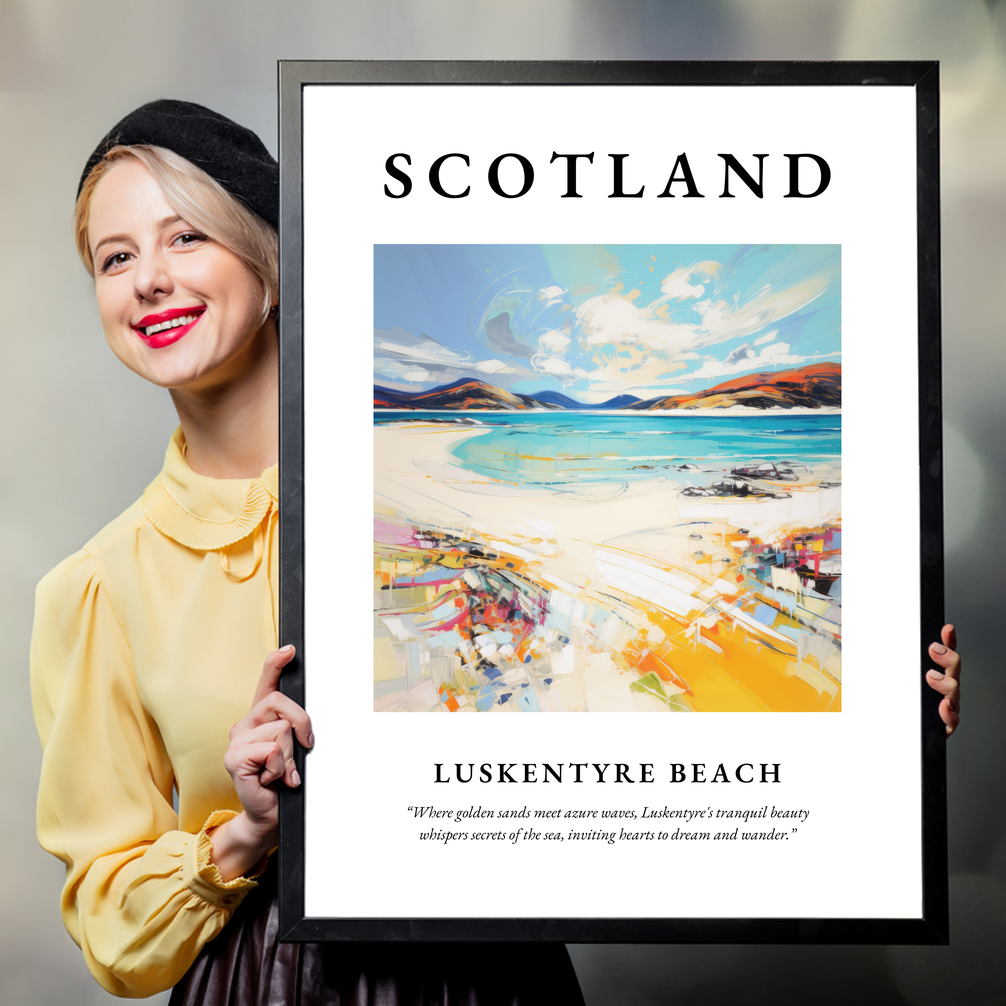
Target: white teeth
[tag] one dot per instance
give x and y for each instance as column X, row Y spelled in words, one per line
column 174, row 323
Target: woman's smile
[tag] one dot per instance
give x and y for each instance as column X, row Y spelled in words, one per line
column 159, row 330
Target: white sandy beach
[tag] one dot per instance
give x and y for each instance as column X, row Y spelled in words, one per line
column 641, row 541
column 415, row 470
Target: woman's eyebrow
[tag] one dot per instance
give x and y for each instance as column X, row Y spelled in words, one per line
column 109, row 240
column 160, row 225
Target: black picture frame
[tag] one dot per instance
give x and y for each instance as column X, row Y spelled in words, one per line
column 932, row 925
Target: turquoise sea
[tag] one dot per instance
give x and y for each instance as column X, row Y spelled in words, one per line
column 556, row 448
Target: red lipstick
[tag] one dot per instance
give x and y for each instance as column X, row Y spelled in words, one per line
column 166, row 327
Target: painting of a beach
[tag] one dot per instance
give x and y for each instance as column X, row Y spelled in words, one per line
column 607, row 478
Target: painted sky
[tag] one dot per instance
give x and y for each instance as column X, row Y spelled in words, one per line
column 596, row 321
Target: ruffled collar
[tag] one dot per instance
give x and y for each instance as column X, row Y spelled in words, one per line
column 203, row 513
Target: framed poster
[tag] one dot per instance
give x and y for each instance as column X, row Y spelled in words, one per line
column 633, row 370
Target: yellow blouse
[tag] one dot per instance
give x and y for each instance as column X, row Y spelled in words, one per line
column 147, row 647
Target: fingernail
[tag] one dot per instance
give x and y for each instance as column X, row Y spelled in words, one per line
column 287, row 649
column 938, row 648
column 310, row 740
column 295, row 777
column 936, row 675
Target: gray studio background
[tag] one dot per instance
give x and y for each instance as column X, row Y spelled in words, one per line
column 81, row 436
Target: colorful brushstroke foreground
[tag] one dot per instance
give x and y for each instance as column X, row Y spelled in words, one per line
column 538, row 553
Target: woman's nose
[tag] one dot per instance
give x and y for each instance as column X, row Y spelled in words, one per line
column 152, row 277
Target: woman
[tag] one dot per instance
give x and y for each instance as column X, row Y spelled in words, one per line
column 148, row 643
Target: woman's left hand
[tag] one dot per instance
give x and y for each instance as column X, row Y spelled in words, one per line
column 260, row 754
column 948, row 681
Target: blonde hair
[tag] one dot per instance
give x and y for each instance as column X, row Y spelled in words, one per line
column 199, row 200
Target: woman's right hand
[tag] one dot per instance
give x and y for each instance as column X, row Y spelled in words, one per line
column 948, row 681
column 260, row 753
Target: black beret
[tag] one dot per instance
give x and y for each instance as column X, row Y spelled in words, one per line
column 230, row 154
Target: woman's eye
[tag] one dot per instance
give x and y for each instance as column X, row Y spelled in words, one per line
column 114, row 261
column 190, row 238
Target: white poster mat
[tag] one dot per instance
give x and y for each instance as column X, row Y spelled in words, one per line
column 858, row 852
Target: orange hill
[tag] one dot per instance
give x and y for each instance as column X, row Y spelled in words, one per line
column 463, row 394
column 816, row 386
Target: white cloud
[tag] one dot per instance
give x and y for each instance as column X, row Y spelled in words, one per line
column 422, row 350
column 552, row 365
column 404, row 370
column 676, row 286
column 553, row 341
column 610, row 319
column 777, row 349
column 492, row 366
column 551, row 294
column 721, row 321
column 769, row 358
column 613, row 319
column 403, row 360
column 767, row 337
column 637, row 365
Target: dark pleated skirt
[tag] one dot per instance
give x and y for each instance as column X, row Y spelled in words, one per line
column 246, row 965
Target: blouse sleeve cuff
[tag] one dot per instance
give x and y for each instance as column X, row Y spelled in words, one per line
column 202, row 876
